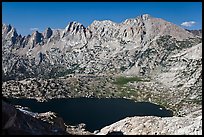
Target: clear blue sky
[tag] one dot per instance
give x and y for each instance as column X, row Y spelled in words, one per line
column 26, row 16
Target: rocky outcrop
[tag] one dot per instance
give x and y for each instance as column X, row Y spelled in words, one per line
column 22, row 121
column 16, row 122
column 150, row 125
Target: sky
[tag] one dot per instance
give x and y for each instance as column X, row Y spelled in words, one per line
column 29, row 16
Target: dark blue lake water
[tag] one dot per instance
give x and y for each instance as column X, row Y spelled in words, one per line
column 95, row 113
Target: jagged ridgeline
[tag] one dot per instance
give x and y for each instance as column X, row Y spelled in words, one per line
column 136, row 46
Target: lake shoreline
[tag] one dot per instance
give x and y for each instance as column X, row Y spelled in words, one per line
column 95, row 113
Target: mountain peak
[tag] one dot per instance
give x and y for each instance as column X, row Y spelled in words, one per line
column 73, row 25
column 145, row 16
column 103, row 21
column 47, row 33
column 7, row 28
column 35, row 32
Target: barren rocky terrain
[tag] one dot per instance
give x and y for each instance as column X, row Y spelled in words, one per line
column 150, row 125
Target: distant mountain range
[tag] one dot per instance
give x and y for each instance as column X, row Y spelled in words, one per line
column 144, row 46
column 196, row 32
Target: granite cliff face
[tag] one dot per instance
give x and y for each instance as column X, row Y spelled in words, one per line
column 167, row 58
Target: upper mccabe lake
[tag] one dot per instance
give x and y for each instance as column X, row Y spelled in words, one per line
column 95, row 113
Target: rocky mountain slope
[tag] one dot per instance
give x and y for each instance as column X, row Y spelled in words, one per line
column 136, row 46
column 77, row 61
column 150, row 125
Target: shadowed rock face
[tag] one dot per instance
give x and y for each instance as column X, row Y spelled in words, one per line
column 48, row 33
column 115, row 133
column 8, row 115
column 15, row 122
